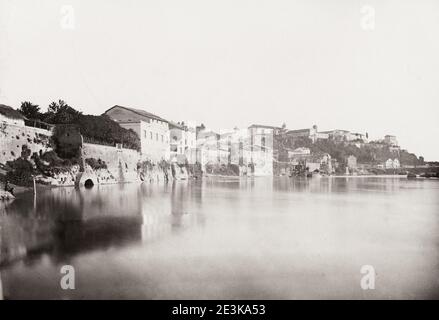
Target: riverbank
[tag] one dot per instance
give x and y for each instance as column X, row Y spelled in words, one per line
column 5, row 195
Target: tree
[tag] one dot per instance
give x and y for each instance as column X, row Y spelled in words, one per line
column 61, row 113
column 30, row 110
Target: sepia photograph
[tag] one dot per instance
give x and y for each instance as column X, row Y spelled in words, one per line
column 219, row 150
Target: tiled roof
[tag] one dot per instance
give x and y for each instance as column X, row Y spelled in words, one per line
column 140, row 112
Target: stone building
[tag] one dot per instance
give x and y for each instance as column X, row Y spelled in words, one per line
column 390, row 140
column 311, row 133
column 152, row 130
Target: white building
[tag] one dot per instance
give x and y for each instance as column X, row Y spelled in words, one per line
column 208, row 151
column 392, row 164
column 183, row 141
column 299, row 152
column 355, row 136
column 152, row 130
column 251, row 147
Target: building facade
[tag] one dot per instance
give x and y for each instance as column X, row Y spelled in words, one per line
column 390, row 140
column 183, row 141
column 152, row 130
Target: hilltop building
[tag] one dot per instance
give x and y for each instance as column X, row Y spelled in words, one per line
column 390, row 140
column 153, row 131
column 311, row 133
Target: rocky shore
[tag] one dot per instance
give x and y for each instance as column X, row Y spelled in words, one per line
column 5, row 195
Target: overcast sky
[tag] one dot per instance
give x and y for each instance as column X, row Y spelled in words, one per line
column 365, row 66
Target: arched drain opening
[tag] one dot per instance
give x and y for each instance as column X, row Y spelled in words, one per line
column 88, row 183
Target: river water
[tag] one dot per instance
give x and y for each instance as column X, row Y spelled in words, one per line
column 265, row 238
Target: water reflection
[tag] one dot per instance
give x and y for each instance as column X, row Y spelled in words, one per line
column 225, row 238
column 67, row 221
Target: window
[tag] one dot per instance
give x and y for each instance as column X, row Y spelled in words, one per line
column 144, row 133
column 162, row 138
column 151, row 135
column 157, row 137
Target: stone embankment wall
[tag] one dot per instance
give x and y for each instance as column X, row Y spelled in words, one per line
column 121, row 163
column 15, row 138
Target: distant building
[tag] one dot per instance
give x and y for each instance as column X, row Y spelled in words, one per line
column 152, row 130
column 339, row 135
column 301, row 133
column 251, row 147
column 392, row 164
column 390, row 140
column 352, row 162
column 299, row 152
column 310, row 133
column 354, row 136
column 183, row 141
column 208, row 151
column 261, row 148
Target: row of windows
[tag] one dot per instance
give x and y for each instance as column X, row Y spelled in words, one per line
column 151, row 136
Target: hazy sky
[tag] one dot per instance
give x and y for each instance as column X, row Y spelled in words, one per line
column 366, row 66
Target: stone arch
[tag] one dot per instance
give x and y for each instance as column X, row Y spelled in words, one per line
column 88, row 183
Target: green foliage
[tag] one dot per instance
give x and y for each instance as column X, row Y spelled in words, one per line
column 96, row 164
column 371, row 153
column 20, row 172
column 54, row 160
column 61, row 113
column 30, row 111
column 102, row 129
column 95, row 129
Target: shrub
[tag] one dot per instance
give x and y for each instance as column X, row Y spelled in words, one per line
column 21, row 172
column 96, row 164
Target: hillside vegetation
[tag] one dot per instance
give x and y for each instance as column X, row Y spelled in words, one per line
column 367, row 153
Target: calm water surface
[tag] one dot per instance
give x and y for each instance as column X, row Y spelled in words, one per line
column 266, row 238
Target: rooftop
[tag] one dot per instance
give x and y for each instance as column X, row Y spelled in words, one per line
column 263, row 126
column 140, row 112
